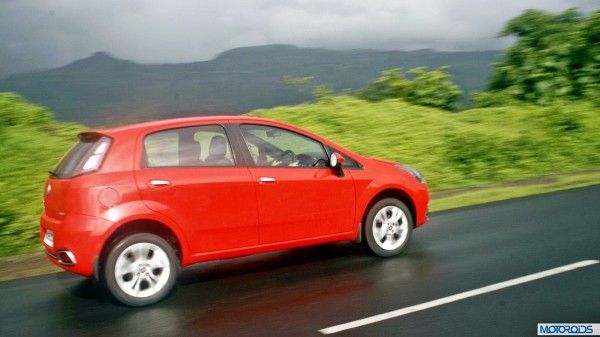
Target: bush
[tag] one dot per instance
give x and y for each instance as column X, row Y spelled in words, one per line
column 31, row 143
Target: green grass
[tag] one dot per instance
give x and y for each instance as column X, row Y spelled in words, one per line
column 478, row 195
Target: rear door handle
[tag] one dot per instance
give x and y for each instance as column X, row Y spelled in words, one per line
column 264, row 180
column 160, row 183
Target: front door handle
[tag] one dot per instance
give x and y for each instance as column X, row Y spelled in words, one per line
column 160, row 183
column 264, row 180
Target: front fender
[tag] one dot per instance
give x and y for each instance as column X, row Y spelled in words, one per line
column 403, row 186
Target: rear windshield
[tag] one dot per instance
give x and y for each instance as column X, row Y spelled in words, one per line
column 72, row 162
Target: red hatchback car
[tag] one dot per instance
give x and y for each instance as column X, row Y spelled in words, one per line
column 131, row 205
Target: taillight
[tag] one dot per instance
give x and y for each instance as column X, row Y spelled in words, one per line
column 92, row 161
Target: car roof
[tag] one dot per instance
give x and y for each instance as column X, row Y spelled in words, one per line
column 135, row 129
column 182, row 122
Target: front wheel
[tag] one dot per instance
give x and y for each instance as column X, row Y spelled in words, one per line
column 387, row 228
column 141, row 269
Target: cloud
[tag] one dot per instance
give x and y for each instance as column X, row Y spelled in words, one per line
column 48, row 33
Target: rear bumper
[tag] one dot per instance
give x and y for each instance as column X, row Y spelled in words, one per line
column 77, row 241
column 64, row 257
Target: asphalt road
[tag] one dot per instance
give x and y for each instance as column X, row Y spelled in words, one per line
column 299, row 292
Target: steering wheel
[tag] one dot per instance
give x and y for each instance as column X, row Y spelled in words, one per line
column 321, row 162
column 288, row 153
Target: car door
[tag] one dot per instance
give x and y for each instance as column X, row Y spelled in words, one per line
column 298, row 195
column 191, row 175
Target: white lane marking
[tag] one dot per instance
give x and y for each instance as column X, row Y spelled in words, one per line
column 457, row 297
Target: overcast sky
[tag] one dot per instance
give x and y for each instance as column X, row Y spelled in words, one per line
column 36, row 34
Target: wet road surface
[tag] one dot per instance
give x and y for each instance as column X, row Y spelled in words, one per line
column 301, row 291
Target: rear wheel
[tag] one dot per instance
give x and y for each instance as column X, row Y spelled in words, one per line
column 140, row 269
column 387, row 228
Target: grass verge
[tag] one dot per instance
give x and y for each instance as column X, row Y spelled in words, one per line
column 32, row 264
column 443, row 200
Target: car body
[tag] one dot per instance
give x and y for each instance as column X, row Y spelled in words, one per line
column 131, row 205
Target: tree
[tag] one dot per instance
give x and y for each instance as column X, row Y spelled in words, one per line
column 322, row 92
column 555, row 56
column 428, row 88
column 434, row 88
column 391, row 84
column 304, row 84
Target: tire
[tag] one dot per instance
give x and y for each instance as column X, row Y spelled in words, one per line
column 140, row 269
column 387, row 228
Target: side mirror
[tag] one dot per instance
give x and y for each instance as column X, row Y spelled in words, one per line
column 336, row 160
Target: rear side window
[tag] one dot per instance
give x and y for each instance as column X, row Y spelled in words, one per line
column 188, row 147
column 86, row 156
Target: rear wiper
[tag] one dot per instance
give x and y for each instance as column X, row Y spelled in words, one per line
column 53, row 174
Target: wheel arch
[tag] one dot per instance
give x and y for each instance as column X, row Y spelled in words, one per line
column 395, row 193
column 142, row 226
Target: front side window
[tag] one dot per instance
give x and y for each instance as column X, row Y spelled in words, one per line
column 272, row 146
column 188, row 147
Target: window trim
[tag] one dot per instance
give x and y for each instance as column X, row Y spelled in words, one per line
column 250, row 160
column 226, row 133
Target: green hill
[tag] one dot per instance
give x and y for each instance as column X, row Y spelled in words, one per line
column 102, row 90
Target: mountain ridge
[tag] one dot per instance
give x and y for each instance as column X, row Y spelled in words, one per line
column 102, row 89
